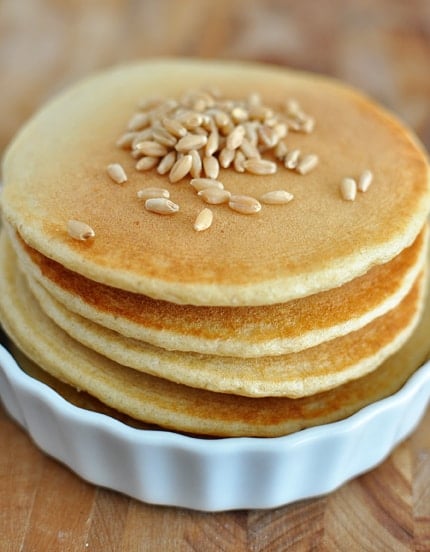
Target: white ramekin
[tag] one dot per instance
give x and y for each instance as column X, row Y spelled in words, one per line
column 162, row 467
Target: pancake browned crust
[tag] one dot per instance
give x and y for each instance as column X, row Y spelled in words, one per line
column 55, row 170
column 293, row 375
column 182, row 408
column 232, row 331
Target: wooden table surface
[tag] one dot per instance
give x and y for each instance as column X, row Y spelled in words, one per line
column 381, row 46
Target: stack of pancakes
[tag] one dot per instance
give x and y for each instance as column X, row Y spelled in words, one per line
column 262, row 324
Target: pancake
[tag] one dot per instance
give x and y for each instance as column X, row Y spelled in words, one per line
column 55, row 171
column 80, row 399
column 294, row 375
column 231, row 331
column 179, row 407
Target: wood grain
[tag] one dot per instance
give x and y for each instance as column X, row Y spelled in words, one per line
column 381, row 46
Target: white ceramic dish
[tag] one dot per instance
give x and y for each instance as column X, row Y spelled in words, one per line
column 162, row 467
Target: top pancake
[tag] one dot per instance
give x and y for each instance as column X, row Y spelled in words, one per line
column 55, row 170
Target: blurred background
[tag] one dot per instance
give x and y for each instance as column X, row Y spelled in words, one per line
column 381, row 46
